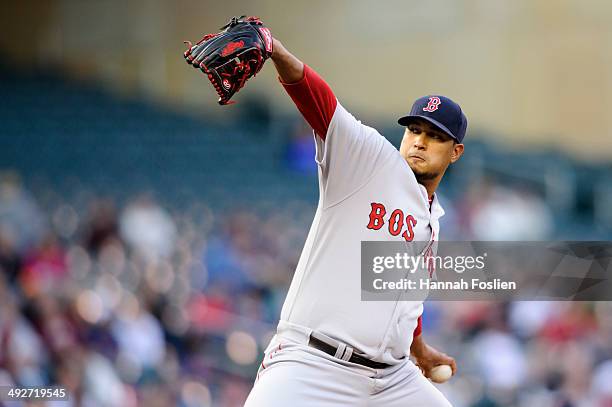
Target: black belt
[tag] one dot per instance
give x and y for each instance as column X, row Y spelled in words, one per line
column 331, row 350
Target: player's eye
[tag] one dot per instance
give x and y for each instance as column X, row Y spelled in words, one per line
column 414, row 130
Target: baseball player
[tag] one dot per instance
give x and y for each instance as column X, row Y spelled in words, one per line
column 331, row 348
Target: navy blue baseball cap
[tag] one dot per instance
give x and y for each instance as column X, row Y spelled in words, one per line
column 441, row 112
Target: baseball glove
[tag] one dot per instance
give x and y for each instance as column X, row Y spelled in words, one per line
column 229, row 58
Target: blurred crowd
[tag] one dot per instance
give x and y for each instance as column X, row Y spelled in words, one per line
column 137, row 305
column 133, row 301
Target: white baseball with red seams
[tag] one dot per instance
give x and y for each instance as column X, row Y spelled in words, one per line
column 367, row 193
column 441, row 373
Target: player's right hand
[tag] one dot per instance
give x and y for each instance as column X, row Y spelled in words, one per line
column 429, row 357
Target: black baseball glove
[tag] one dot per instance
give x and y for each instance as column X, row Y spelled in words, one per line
column 229, row 58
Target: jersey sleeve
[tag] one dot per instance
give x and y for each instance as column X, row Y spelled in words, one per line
column 347, row 151
column 314, row 99
column 350, row 157
column 419, row 328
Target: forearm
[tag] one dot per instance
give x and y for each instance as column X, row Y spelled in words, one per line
column 311, row 95
column 289, row 68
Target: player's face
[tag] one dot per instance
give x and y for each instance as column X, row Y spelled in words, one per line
column 428, row 151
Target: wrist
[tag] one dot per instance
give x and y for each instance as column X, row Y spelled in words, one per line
column 277, row 49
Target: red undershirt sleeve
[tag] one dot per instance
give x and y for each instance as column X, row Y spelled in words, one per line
column 314, row 99
column 419, row 328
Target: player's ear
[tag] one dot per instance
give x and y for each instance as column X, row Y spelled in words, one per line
column 457, row 152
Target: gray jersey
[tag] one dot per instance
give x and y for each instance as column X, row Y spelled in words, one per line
column 367, row 193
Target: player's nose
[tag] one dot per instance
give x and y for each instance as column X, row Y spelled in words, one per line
column 419, row 141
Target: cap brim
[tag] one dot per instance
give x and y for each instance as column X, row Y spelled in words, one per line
column 406, row 120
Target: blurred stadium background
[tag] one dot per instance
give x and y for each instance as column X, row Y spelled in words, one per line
column 148, row 236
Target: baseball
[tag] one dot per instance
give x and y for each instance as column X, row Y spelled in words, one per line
column 440, row 374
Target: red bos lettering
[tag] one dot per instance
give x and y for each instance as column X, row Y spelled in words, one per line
column 397, row 221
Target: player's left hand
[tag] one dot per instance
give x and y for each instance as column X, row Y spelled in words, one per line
column 427, row 357
column 229, row 58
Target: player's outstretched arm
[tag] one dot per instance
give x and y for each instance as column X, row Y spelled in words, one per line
column 289, row 68
column 312, row 96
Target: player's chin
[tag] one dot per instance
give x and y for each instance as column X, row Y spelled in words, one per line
column 423, row 174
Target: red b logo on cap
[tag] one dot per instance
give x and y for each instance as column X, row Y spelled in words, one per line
column 433, row 104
